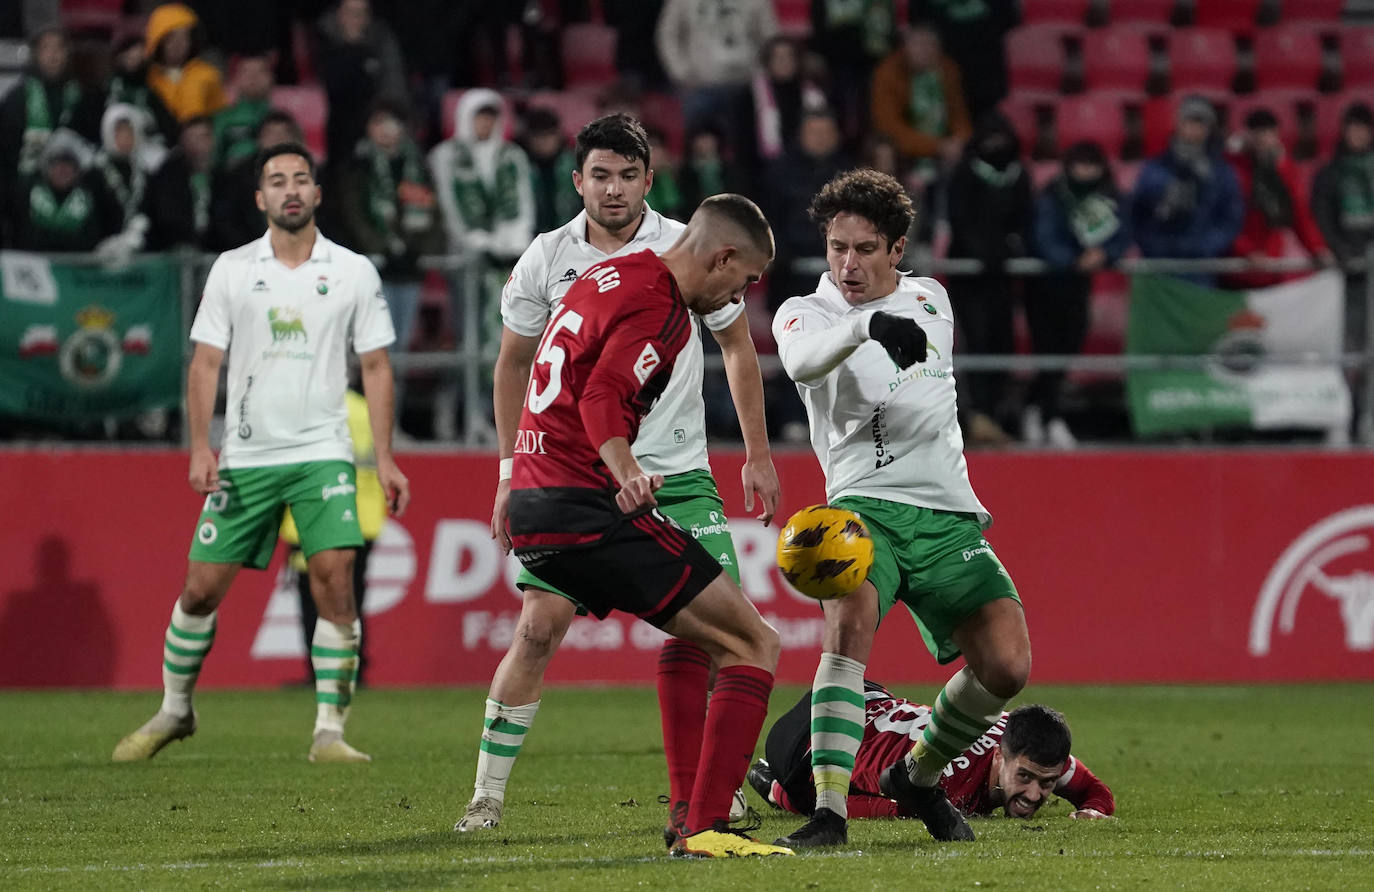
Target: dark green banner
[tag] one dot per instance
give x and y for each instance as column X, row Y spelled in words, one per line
column 79, row 343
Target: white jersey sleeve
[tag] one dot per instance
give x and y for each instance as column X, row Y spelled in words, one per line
column 212, row 326
column 811, row 344
column 525, row 301
column 372, row 328
column 722, row 318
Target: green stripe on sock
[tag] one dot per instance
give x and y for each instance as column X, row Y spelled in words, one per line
column 183, row 651
column 940, row 747
column 837, row 695
column 335, row 674
column 193, row 636
column 833, row 725
column 946, row 710
column 180, row 670
column 334, row 652
column 334, row 698
column 500, row 749
column 837, row 758
column 503, row 726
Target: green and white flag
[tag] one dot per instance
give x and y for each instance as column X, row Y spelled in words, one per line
column 79, row 343
column 1242, row 386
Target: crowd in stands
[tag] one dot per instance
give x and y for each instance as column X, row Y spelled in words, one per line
column 1074, row 132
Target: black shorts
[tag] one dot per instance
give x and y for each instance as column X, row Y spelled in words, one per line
column 644, row 565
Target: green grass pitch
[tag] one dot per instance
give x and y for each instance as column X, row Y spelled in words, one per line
column 1217, row 788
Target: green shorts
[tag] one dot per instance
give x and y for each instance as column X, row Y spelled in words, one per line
column 691, row 501
column 937, row 563
column 239, row 524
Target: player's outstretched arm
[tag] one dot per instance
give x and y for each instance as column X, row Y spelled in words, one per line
column 903, row 339
column 379, row 388
column 746, row 391
column 1090, row 797
column 511, row 377
column 202, row 383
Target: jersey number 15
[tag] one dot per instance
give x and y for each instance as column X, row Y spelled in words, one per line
column 537, row 401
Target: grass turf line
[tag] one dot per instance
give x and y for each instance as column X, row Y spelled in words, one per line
column 1217, row 788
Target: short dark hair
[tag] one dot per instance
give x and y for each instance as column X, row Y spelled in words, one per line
column 282, row 148
column 277, row 116
column 877, row 197
column 619, row 133
column 743, row 213
column 1038, row 733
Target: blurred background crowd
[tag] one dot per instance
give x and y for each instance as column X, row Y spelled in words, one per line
column 1080, row 133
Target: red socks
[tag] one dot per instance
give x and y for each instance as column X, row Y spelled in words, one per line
column 683, row 673
column 739, row 705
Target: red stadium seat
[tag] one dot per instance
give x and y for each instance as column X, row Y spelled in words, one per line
column 589, row 54
column 1036, row 55
column 1236, row 16
column 1287, row 57
column 1042, row 173
column 1311, row 11
column 1095, row 116
column 1126, row 173
column 1022, row 110
column 794, row 17
column 664, row 111
column 1155, row 11
column 1357, row 57
column 1201, row 59
column 1039, row 12
column 574, row 108
column 1326, row 120
column 310, row 107
column 91, row 15
column 1284, row 105
column 1115, row 58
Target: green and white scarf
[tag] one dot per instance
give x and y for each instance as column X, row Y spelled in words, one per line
column 1356, row 176
column 68, row 214
column 383, row 203
column 41, row 120
column 1094, row 218
column 483, row 205
column 926, row 104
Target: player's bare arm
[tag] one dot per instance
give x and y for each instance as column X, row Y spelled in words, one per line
column 636, row 487
column 511, row 377
column 202, row 383
column 379, row 388
column 746, row 390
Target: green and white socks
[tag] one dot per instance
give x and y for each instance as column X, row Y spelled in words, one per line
column 503, row 733
column 837, row 728
column 184, row 648
column 963, row 712
column 334, row 656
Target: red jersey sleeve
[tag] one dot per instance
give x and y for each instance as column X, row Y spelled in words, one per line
column 1083, row 788
column 633, row 368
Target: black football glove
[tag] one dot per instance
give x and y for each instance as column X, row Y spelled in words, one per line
column 903, row 339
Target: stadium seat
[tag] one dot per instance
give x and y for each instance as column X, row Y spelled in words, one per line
column 1153, row 11
column 1201, row 59
column 1311, row 11
column 301, row 53
column 794, row 17
column 1326, row 119
column 1036, row 56
column 1097, row 116
column 91, row 15
column 1126, row 173
column 1357, row 57
column 1287, row 57
column 1023, row 110
column 310, row 107
column 574, row 108
column 1115, row 58
column 1042, row 173
column 1236, row 16
column 1284, row 105
column 589, row 54
column 1039, row 12
column 664, row 111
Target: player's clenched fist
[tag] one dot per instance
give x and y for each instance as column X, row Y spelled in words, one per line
column 903, row 339
column 638, row 492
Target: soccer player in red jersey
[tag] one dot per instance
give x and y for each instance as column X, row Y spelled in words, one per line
column 582, row 510
column 1014, row 767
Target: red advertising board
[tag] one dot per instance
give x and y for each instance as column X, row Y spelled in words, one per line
column 1134, row 566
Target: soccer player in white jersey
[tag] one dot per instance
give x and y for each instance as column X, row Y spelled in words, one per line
column 290, row 304
column 870, row 353
column 613, row 175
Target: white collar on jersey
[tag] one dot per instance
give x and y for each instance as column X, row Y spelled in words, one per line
column 649, row 229
column 318, row 251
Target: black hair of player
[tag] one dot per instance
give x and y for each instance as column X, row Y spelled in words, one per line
column 1038, row 733
column 619, row 133
column 283, row 148
column 876, row 197
column 743, row 213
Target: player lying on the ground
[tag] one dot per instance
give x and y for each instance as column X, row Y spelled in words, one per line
column 1015, row 766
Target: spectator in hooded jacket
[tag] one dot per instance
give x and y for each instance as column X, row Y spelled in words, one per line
column 128, row 84
column 1187, row 202
column 989, row 197
column 63, row 205
column 1079, row 227
column 189, row 86
column 918, row 101
column 1274, row 202
column 124, row 161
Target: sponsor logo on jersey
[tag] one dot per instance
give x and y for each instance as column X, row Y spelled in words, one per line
column 881, row 441
column 646, row 363
column 718, row 524
column 1332, row 559
column 983, row 548
column 286, row 324
column 342, row 488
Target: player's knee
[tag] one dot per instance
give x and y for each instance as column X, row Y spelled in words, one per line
column 197, row 599
column 534, row 640
column 1006, row 677
column 766, row 645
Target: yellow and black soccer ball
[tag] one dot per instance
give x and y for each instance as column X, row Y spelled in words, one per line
column 825, row 552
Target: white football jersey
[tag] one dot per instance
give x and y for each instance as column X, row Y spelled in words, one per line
column 879, row 431
column 288, row 332
column 672, row 438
